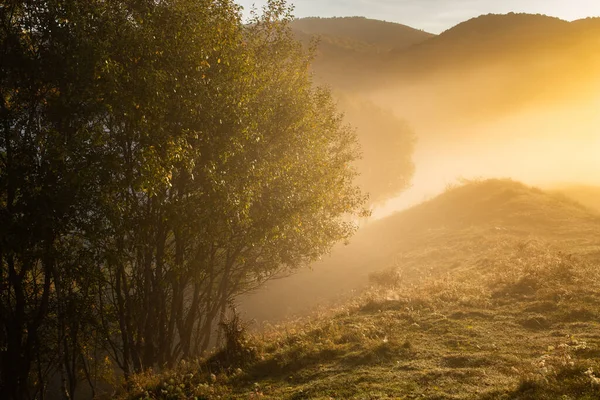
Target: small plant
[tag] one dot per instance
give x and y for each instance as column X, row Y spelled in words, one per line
column 559, row 372
column 236, row 352
column 388, row 278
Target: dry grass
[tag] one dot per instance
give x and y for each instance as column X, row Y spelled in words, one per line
column 477, row 313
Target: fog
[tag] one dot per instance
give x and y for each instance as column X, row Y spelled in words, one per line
column 557, row 145
column 474, row 134
column 545, row 142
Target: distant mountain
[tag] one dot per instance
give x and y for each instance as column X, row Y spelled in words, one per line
column 489, row 64
column 495, row 65
column 493, row 38
column 384, row 36
column 349, row 47
column 590, row 24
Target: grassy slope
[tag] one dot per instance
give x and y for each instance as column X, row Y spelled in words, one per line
column 589, row 196
column 452, row 229
column 498, row 297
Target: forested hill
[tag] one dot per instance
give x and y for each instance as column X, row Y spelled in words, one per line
column 489, row 38
column 350, row 48
column 382, row 35
column 485, row 38
column 502, row 61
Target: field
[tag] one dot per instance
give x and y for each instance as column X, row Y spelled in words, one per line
column 492, row 293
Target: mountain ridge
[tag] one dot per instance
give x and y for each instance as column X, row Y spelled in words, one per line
column 502, row 61
column 384, row 35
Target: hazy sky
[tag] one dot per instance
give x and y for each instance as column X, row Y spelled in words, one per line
column 436, row 15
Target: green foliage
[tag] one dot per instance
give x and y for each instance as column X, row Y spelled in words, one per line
column 158, row 159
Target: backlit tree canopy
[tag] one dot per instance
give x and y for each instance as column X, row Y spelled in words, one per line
column 157, row 158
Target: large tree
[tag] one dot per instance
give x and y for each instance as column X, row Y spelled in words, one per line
column 48, row 168
column 157, row 159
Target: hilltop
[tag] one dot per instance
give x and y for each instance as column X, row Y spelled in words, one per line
column 434, row 236
column 488, row 300
column 584, row 194
column 382, row 35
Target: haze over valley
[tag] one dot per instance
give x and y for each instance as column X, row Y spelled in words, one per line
column 496, row 96
column 499, row 96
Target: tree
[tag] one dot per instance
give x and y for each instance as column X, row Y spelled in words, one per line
column 387, row 142
column 157, row 159
column 46, row 172
column 260, row 179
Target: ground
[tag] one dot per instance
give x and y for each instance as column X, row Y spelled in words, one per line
column 498, row 299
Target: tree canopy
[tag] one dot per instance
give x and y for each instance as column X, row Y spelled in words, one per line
column 157, row 158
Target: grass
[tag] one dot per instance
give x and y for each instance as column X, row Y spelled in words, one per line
column 462, row 226
column 477, row 313
column 587, row 195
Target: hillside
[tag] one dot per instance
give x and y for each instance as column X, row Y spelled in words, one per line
column 350, row 47
column 493, row 36
column 587, row 195
column 494, row 295
column 431, row 237
column 486, row 67
column 497, row 64
column 591, row 25
column 537, row 41
column 382, row 35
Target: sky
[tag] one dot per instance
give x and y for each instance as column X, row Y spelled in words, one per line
column 436, row 16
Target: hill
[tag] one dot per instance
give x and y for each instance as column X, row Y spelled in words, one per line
column 584, row 194
column 433, row 237
column 460, row 224
column 516, row 86
column 496, row 296
column 349, row 47
column 384, row 36
column 492, row 39
column 486, row 67
column 494, row 36
column 495, row 64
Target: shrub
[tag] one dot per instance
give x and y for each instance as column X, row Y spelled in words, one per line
column 237, row 351
column 388, row 278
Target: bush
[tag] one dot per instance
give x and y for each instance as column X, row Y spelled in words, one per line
column 237, row 351
column 388, row 278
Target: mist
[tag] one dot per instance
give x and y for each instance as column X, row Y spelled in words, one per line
column 525, row 119
column 542, row 145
